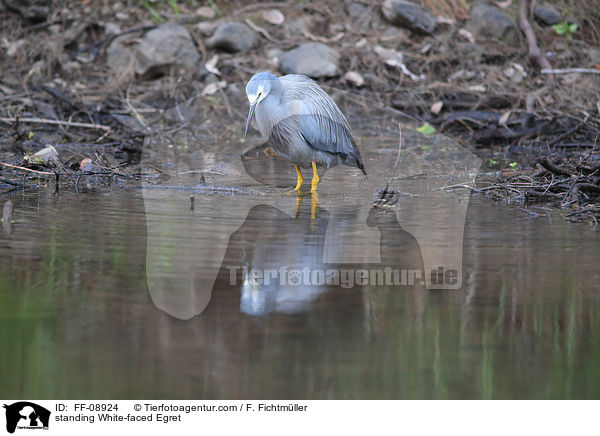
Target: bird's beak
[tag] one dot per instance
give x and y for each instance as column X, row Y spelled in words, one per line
column 250, row 113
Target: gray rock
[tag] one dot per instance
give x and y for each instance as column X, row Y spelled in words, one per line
column 206, row 12
column 169, row 45
column 120, row 56
column 314, row 60
column 206, row 28
column 356, row 10
column 232, row 37
column 594, row 55
column 412, row 16
column 298, row 26
column 490, row 22
column 34, row 10
column 547, row 15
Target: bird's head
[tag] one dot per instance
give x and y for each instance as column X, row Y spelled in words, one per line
column 258, row 87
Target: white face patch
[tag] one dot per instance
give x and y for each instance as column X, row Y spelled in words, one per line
column 259, row 91
column 252, row 98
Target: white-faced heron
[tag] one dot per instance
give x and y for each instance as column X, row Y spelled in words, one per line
column 302, row 123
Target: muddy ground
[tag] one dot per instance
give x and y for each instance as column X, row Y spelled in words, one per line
column 61, row 85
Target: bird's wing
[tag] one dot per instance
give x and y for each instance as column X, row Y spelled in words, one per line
column 321, row 122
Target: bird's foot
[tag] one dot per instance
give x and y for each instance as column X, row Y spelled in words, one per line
column 297, row 192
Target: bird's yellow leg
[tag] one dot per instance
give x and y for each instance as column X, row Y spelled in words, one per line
column 297, row 190
column 315, row 179
column 300, row 179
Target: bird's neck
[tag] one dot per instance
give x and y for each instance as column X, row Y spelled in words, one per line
column 269, row 113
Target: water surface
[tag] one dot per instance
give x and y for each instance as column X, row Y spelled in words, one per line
column 125, row 292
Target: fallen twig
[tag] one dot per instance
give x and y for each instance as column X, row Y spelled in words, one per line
column 534, row 51
column 56, row 122
column 462, row 186
column 570, row 71
column 253, row 6
column 260, row 30
column 553, row 168
column 26, row 169
column 572, row 130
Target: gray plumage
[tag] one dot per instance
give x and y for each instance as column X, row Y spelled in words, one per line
column 301, row 121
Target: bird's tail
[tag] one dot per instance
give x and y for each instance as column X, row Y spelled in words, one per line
column 354, row 160
column 360, row 165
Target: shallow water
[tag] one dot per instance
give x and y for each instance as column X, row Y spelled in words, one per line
column 129, row 293
column 77, row 320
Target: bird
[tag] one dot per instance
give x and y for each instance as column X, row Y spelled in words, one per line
column 302, row 123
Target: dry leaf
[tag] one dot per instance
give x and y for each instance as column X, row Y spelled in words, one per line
column 355, row 78
column 360, row 43
column 504, row 4
column 394, row 58
column 391, row 57
column 520, row 68
column 426, row 48
column 47, row 155
column 436, row 107
column 12, row 48
column 477, row 88
column 211, row 88
column 444, row 20
column 467, row 35
column 86, row 165
column 211, row 65
column 273, row 16
column 504, row 118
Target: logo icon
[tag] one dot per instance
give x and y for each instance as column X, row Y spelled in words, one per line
column 26, row 415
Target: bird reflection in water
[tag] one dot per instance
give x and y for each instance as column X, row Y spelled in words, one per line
column 271, row 240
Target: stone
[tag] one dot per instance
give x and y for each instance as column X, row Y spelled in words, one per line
column 33, row 10
column 206, row 12
column 356, row 10
column 314, row 60
column 273, row 16
column 119, row 55
column 232, row 37
column 546, row 15
column 206, row 28
column 111, row 28
column 169, row 45
column 593, row 55
column 409, row 15
column 298, row 26
column 490, row 22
